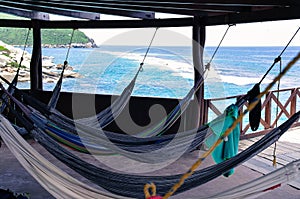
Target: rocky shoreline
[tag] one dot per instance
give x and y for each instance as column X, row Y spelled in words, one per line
column 10, row 58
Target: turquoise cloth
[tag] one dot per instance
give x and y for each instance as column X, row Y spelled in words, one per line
column 228, row 148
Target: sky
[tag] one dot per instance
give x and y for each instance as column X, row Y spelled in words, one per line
column 275, row 33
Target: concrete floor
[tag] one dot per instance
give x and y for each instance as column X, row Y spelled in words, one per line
column 14, row 177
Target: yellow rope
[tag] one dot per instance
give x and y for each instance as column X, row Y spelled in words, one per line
column 227, row 132
column 147, row 192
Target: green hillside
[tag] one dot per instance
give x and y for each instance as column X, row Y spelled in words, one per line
column 16, row 36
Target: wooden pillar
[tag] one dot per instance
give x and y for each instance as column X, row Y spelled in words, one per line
column 268, row 110
column 293, row 101
column 36, row 79
column 199, row 32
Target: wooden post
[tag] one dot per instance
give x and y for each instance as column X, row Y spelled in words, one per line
column 268, row 110
column 36, row 81
column 198, row 46
column 293, row 101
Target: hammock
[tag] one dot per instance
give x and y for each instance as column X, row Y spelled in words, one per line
column 262, row 185
column 127, row 184
column 54, row 180
column 172, row 145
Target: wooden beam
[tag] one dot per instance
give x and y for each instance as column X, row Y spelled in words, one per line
column 172, row 22
column 227, row 2
column 275, row 14
column 36, row 81
column 63, row 9
column 79, row 15
column 177, row 22
column 24, row 13
column 199, row 32
column 149, row 5
column 13, row 23
column 45, row 16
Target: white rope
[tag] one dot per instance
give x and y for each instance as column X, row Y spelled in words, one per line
column 259, row 186
column 54, row 180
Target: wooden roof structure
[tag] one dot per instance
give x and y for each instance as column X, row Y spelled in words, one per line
column 212, row 12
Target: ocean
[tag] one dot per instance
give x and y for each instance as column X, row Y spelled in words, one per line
column 168, row 71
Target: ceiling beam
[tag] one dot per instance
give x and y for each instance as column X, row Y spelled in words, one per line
column 219, row 2
column 172, row 22
column 24, row 13
column 14, row 23
column 258, row 16
column 104, row 8
column 61, row 9
column 150, row 5
column 79, row 15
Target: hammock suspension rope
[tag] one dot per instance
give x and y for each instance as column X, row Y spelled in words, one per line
column 276, row 123
column 277, row 59
column 227, row 132
column 15, row 80
column 207, row 66
column 148, row 49
column 69, row 47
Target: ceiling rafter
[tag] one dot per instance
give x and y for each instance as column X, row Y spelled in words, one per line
column 113, row 10
column 25, row 13
column 212, row 11
column 155, row 5
column 67, row 10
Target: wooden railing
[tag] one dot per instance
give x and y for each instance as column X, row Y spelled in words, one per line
column 277, row 106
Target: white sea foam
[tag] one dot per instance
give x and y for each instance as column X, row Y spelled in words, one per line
column 179, row 68
column 241, row 81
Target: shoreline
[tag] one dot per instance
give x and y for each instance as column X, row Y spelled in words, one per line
column 10, row 57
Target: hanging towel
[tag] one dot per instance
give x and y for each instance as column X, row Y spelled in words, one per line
column 228, row 148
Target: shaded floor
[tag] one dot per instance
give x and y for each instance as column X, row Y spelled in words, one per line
column 14, row 177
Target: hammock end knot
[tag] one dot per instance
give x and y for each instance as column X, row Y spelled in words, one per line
column 274, row 161
column 141, row 67
column 151, row 186
column 277, row 59
column 65, row 63
column 207, row 66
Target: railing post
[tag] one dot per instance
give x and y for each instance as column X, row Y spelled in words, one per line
column 241, row 110
column 293, row 102
column 268, row 110
column 205, row 111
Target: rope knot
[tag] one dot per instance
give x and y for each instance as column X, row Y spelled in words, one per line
column 141, row 67
column 151, row 186
column 207, row 66
column 277, row 59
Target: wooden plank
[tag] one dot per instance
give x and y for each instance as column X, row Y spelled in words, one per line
column 295, row 184
column 285, row 157
column 260, row 165
column 287, row 147
column 282, row 144
column 295, row 155
column 264, row 166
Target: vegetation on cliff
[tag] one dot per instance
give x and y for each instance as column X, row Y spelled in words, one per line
column 16, row 36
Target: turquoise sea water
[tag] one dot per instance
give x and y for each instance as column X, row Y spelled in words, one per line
column 168, row 71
